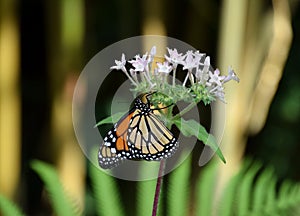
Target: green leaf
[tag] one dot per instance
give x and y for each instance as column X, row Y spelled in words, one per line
column 289, row 197
column 245, row 189
column 106, row 193
column 193, row 128
column 178, row 189
column 60, row 201
column 252, row 191
column 229, row 199
column 111, row 119
column 205, row 189
column 261, row 189
column 145, row 196
column 284, row 194
column 146, row 192
column 8, row 208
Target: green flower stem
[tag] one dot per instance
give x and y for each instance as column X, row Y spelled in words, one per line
column 185, row 79
column 148, row 79
column 133, row 82
column 191, row 77
column 185, row 110
column 174, row 75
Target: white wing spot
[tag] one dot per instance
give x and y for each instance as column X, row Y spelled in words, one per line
column 113, row 150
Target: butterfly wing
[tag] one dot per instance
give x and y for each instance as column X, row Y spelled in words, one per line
column 138, row 135
column 115, row 146
column 149, row 139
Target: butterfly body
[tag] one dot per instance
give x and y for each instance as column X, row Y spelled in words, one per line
column 137, row 135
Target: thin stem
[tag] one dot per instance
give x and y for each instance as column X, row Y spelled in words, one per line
column 174, row 74
column 158, row 186
column 185, row 79
column 191, row 77
column 134, row 76
column 125, row 71
column 185, row 110
column 148, row 79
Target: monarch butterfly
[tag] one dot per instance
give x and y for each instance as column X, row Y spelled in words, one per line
column 137, row 135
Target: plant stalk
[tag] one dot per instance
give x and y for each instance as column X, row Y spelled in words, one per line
column 158, row 187
column 185, row 110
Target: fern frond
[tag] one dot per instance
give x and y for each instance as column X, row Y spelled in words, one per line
column 145, row 196
column 271, row 203
column 8, row 208
column 106, row 192
column 244, row 189
column 289, row 198
column 146, row 190
column 178, row 189
column 252, row 191
column 261, row 189
column 205, row 189
column 229, row 199
column 255, row 191
column 61, row 203
column 267, row 202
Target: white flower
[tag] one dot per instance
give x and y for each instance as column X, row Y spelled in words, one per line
column 164, row 67
column 132, row 72
column 120, row 65
column 198, row 56
column 231, row 76
column 153, row 51
column 206, row 64
column 202, row 74
column 140, row 64
column 175, row 58
column 215, row 78
column 218, row 91
column 191, row 60
column 215, row 85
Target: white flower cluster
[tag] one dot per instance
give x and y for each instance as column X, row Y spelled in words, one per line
column 197, row 66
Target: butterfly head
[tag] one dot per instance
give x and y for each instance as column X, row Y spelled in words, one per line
column 140, row 105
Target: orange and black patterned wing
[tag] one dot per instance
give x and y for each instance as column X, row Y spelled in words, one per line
column 138, row 135
column 115, row 146
column 149, row 139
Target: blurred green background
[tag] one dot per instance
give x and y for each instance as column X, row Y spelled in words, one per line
column 45, row 44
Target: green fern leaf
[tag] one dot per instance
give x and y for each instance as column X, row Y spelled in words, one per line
column 106, row 193
column 146, row 193
column 261, row 189
column 145, row 197
column 250, row 192
column 289, row 198
column 271, row 201
column 245, row 188
column 205, row 190
column 178, row 189
column 60, row 201
column 8, row 208
column 229, row 200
